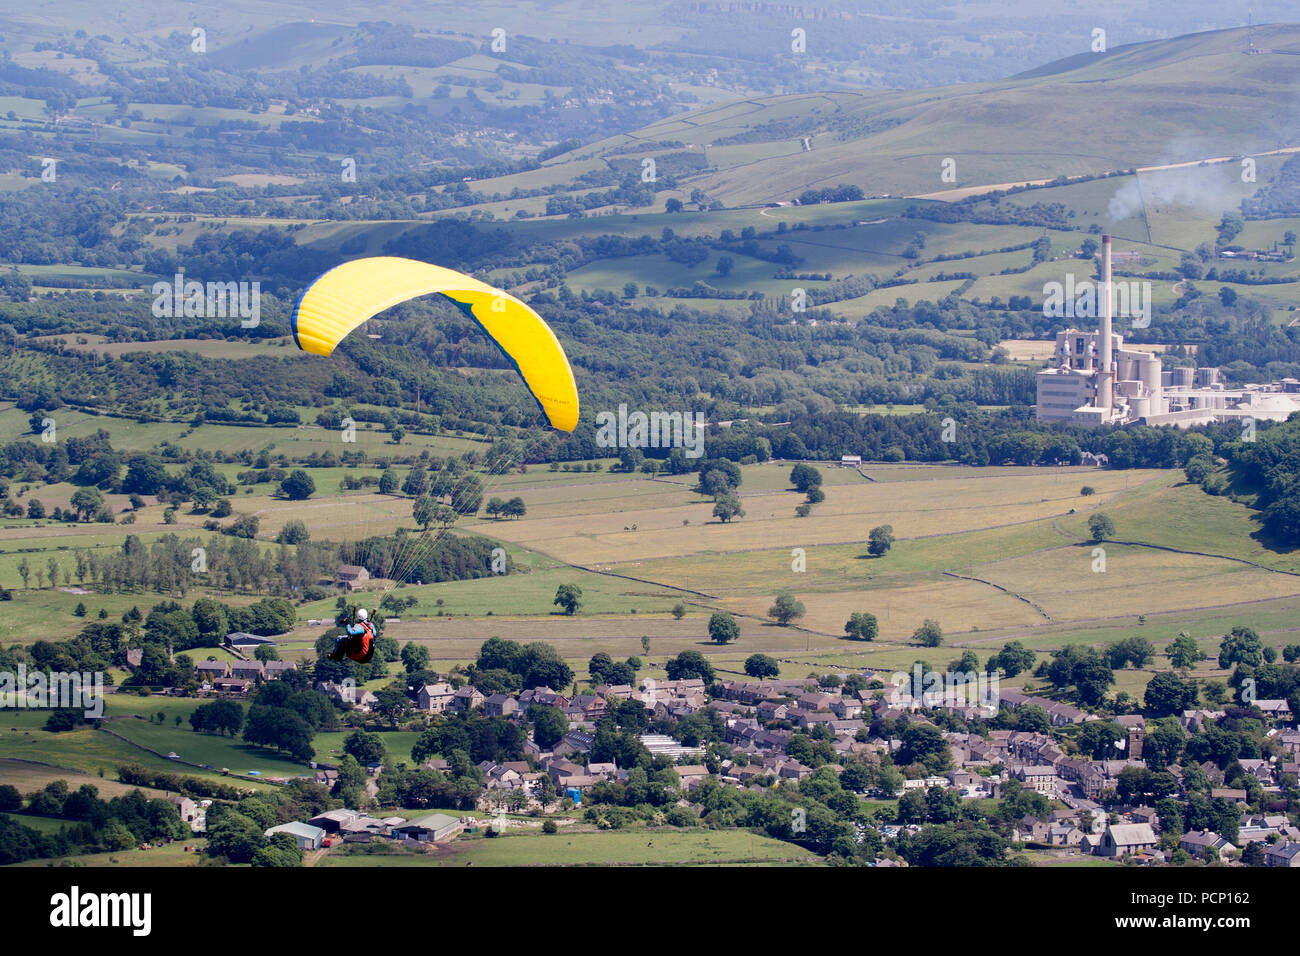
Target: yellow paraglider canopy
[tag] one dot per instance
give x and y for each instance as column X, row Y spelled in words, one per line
column 347, row 295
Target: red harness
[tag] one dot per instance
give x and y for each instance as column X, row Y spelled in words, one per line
column 366, row 651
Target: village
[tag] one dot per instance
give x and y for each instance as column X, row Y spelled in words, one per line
column 1094, row 807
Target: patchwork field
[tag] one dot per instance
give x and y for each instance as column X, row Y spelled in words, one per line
column 993, row 554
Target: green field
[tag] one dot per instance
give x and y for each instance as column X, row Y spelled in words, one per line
column 639, row 847
column 993, row 553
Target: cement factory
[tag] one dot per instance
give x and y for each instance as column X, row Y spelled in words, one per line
column 1093, row 380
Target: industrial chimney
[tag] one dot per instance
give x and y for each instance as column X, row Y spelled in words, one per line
column 1105, row 378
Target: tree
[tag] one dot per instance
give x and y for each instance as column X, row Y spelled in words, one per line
column 1097, row 739
column 294, row 531
column 786, row 609
column 1241, row 646
column 388, row 482
column 1167, row 695
column 266, row 652
column 415, row 657
column 679, row 610
column 145, row 475
column 929, row 634
column 425, row 510
column 1085, row 669
column 416, row 482
column 598, row 665
column 568, row 597
column 514, row 508
column 235, row 836
column 244, row 526
column 690, row 664
column 880, row 540
column 723, row 628
column 281, row 851
column 10, row 799
column 86, row 502
column 1101, row 527
column 1033, row 719
column 1163, row 744
column 277, row 727
column 862, row 626
column 761, row 666
column 924, row 744
column 494, row 507
column 1184, row 652
column 363, row 747
column 210, row 619
column 728, row 507
column 467, row 495
column 714, row 483
column 392, row 702
column 298, row 486
column 549, row 725
column 1137, row 651
column 218, row 717
column 804, row 477
column 1013, row 659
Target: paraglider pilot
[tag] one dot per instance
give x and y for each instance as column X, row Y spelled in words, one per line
column 358, row 641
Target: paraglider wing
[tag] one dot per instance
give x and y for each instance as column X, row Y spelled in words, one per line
column 347, row 295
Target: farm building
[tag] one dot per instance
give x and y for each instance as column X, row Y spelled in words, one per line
column 352, row 576
column 435, row 828
column 332, row 821
column 243, row 642
column 308, row 836
column 189, row 810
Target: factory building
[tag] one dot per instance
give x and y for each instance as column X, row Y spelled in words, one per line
column 1093, row 380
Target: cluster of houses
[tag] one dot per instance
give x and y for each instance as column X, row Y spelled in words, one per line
column 238, row 677
column 1039, row 764
column 761, row 716
column 1136, row 836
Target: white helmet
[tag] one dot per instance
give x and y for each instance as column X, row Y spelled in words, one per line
column 362, row 614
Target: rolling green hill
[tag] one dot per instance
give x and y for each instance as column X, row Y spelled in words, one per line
column 1142, row 104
